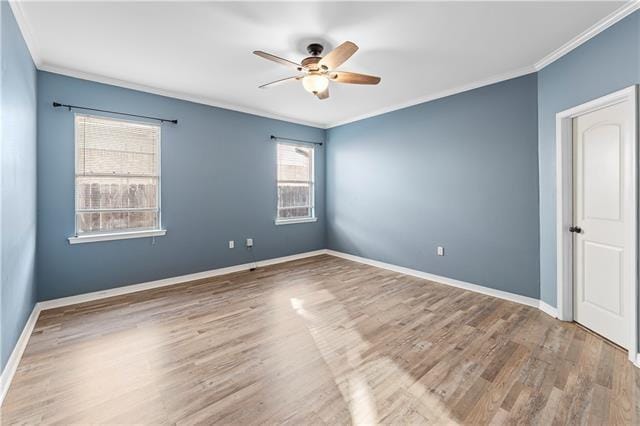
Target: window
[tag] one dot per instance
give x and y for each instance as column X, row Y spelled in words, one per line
column 117, row 183
column 295, row 183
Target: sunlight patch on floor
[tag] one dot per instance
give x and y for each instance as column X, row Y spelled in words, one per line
column 366, row 384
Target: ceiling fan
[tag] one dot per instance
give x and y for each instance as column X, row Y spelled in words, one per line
column 319, row 71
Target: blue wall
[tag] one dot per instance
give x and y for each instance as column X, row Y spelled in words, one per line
column 606, row 63
column 218, row 184
column 17, row 184
column 461, row 172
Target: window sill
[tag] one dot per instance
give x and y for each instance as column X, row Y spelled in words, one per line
column 92, row 238
column 292, row 221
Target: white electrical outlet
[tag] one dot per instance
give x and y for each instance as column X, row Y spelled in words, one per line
column 249, row 242
column 440, row 251
column 232, row 244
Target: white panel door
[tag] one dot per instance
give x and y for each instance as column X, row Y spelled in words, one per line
column 602, row 163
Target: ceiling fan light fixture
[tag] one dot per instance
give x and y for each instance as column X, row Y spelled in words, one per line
column 315, row 83
column 320, row 70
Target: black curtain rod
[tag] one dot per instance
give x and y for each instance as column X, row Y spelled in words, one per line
column 70, row 107
column 273, row 138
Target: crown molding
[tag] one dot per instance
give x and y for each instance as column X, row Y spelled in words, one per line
column 587, row 35
column 25, row 29
column 215, row 103
column 443, row 94
column 172, row 94
column 596, row 29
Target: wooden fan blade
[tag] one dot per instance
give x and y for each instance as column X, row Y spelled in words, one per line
column 278, row 59
column 323, row 95
column 353, row 78
column 275, row 83
column 338, row 56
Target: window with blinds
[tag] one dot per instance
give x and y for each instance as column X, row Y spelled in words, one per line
column 295, row 182
column 117, row 175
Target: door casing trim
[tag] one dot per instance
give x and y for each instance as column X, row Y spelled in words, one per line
column 564, row 209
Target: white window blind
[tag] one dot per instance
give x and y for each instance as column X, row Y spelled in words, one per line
column 117, row 175
column 295, row 181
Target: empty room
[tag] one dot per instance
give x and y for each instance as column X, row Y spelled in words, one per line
column 319, row 212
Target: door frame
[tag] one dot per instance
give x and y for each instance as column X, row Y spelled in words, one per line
column 564, row 210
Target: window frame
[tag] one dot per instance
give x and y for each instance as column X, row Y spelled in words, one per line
column 312, row 217
column 119, row 234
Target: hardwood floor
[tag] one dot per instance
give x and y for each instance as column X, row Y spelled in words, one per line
column 319, row 340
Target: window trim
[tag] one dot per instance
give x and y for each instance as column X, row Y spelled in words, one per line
column 120, row 234
column 312, row 182
column 91, row 238
column 295, row 220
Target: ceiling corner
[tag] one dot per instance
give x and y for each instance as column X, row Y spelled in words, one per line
column 174, row 94
column 618, row 15
column 443, row 94
column 27, row 33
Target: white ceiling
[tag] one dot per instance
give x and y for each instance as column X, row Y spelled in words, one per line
column 202, row 50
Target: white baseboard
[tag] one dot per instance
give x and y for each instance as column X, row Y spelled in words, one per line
column 14, row 359
column 132, row 288
column 524, row 300
column 548, row 309
column 87, row 297
column 16, row 355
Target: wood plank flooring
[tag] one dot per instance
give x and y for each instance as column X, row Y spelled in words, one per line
column 317, row 341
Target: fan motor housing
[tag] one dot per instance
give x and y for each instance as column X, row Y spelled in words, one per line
column 311, row 62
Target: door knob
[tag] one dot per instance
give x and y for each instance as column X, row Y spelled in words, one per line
column 575, row 229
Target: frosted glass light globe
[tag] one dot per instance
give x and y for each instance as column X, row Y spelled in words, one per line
column 315, row 83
